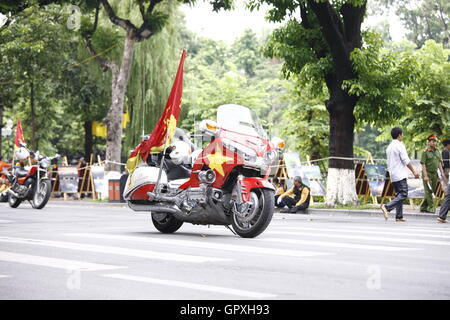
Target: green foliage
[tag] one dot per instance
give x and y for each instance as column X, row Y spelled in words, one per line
column 245, row 52
column 427, row 99
column 42, row 55
column 154, row 66
column 32, row 45
column 306, row 124
column 302, row 50
column 367, row 141
column 426, row 20
column 207, row 91
column 216, row 74
column 383, row 75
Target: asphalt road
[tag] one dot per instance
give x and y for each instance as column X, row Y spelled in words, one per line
column 102, row 252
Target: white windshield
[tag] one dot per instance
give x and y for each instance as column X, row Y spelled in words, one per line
column 240, row 119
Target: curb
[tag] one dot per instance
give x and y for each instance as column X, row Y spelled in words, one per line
column 371, row 213
column 88, row 203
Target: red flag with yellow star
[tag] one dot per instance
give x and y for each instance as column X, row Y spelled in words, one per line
column 19, row 134
column 166, row 125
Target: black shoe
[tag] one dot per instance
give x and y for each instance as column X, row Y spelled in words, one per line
column 285, row 210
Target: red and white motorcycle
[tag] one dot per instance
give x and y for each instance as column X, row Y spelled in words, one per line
column 224, row 183
column 30, row 183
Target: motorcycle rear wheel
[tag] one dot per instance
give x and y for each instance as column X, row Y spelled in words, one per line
column 259, row 215
column 13, row 201
column 41, row 195
column 169, row 224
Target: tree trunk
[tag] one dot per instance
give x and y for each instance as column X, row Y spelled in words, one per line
column 341, row 188
column 115, row 114
column 88, row 140
column 342, row 32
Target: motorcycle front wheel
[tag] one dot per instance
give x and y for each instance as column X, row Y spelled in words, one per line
column 258, row 215
column 13, row 201
column 41, row 194
column 167, row 224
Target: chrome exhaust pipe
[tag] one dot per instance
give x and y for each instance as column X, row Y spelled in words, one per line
column 154, row 208
column 177, row 213
column 13, row 193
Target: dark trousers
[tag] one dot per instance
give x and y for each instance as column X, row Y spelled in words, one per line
column 290, row 203
column 428, row 203
column 445, row 205
column 401, row 193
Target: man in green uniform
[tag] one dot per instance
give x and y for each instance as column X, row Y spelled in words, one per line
column 431, row 161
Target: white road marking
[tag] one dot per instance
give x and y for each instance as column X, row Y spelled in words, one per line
column 195, row 286
column 338, row 244
column 4, row 276
column 54, row 262
column 395, row 233
column 378, row 239
column 6, row 221
column 438, row 228
column 205, row 245
column 397, row 227
column 114, row 250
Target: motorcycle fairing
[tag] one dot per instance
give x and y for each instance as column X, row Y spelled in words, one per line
column 257, row 144
column 218, row 158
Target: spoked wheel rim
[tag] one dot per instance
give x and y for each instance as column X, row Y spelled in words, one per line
column 248, row 219
column 40, row 194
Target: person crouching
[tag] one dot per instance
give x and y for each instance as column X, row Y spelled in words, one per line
column 296, row 199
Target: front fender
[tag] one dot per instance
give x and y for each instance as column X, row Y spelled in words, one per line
column 250, row 183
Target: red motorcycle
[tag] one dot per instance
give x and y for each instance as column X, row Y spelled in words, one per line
column 224, row 183
column 30, row 183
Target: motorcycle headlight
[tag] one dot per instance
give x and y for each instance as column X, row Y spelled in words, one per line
column 271, row 155
column 45, row 163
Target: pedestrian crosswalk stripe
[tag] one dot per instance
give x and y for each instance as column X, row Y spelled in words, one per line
column 206, row 245
column 195, row 286
column 54, row 262
column 153, row 255
column 4, row 276
column 396, row 232
column 6, row 221
column 338, row 244
column 353, row 237
column 438, row 228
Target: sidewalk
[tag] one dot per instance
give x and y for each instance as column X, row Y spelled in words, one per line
column 407, row 213
column 375, row 212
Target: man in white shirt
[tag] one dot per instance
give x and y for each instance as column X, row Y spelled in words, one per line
column 398, row 163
